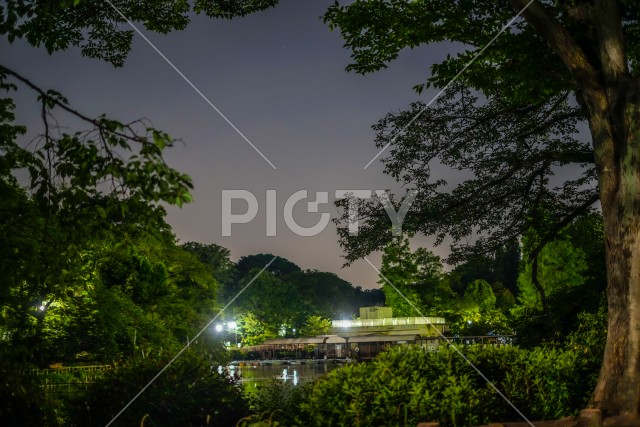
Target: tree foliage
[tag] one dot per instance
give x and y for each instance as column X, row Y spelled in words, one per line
column 480, row 296
column 325, row 294
column 315, row 325
column 560, row 266
column 120, row 300
column 510, row 154
column 568, row 283
column 399, row 273
column 97, row 27
column 508, row 122
column 218, row 260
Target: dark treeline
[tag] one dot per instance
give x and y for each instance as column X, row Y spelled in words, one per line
column 284, row 300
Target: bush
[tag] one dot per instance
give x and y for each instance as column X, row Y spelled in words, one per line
column 277, row 403
column 189, row 393
column 533, row 327
column 22, row 401
column 407, row 385
column 588, row 341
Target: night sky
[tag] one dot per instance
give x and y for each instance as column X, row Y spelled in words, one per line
column 279, row 77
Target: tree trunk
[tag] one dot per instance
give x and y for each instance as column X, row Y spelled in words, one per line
column 618, row 163
column 611, row 100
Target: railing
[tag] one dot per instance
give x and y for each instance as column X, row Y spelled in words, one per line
column 457, row 340
column 70, row 369
column 482, row 339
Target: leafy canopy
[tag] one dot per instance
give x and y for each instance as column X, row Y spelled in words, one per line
column 508, row 129
column 99, row 29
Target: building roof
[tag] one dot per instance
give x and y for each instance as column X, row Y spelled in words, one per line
column 383, row 338
column 302, row 340
column 388, row 321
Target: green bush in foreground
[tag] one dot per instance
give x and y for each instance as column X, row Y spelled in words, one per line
column 189, row 393
column 407, row 385
column 276, row 404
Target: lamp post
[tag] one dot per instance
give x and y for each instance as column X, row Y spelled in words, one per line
column 233, row 325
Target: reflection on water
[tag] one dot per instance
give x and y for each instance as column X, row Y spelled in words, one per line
column 252, row 376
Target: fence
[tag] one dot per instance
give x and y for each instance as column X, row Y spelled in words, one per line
column 68, row 379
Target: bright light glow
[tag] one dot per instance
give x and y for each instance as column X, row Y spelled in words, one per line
column 42, row 308
column 232, row 325
column 218, row 328
column 342, row 323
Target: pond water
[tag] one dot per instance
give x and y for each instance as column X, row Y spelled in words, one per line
column 252, row 377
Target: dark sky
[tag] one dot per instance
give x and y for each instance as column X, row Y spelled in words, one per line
column 279, row 77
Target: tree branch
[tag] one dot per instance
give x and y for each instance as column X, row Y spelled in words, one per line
column 610, row 41
column 570, row 157
column 46, row 96
column 565, row 46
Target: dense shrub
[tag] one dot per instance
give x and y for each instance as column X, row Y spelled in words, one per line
column 567, row 308
column 189, row 393
column 276, row 403
column 22, row 401
column 407, row 385
column 588, row 341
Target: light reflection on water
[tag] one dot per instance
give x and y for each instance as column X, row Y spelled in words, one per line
column 252, row 376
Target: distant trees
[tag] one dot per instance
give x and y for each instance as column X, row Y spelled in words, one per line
column 326, row 294
column 315, row 325
column 368, row 297
column 280, row 267
column 286, row 300
column 420, row 276
column 479, row 296
column 273, row 301
column 252, row 330
column 400, row 271
column 216, row 258
column 544, row 307
column 474, row 300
